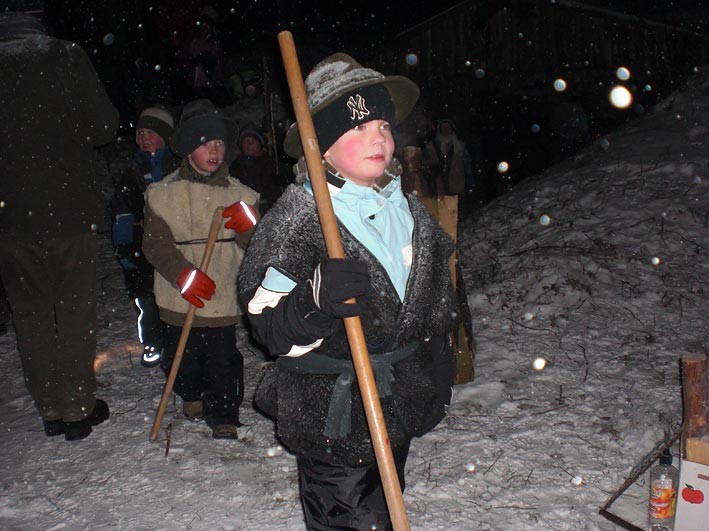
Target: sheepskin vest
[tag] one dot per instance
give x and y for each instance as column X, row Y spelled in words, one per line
column 187, row 207
column 299, row 400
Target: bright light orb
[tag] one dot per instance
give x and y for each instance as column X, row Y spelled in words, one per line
column 622, row 73
column 412, row 59
column 544, row 220
column 620, row 97
column 503, row 166
column 158, row 68
column 108, row 39
column 656, row 261
column 539, row 364
column 577, row 481
column 470, row 467
column 528, row 316
column 648, row 88
column 559, row 85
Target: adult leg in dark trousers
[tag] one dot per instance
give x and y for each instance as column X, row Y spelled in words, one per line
column 51, row 288
column 211, row 370
column 346, row 498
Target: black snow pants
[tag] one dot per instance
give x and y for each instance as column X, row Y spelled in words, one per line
column 336, row 497
column 211, row 370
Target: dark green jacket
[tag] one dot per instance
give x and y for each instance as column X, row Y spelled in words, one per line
column 54, row 113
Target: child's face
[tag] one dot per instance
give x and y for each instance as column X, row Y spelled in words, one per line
column 148, row 140
column 363, row 153
column 251, row 147
column 207, row 157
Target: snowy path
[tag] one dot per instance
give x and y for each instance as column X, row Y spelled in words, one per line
column 520, row 449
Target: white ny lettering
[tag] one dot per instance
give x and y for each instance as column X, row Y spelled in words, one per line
column 358, row 107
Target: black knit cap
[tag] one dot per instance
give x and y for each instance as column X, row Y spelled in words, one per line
column 200, row 122
column 354, row 108
column 157, row 119
column 332, row 82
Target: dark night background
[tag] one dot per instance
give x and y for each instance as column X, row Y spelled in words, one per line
column 137, row 45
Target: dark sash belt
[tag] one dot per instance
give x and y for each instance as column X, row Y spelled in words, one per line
column 338, row 422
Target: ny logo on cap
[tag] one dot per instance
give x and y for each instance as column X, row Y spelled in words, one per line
column 358, row 107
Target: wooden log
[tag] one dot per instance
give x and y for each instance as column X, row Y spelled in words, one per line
column 695, row 410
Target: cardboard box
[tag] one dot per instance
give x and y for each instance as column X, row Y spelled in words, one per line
column 692, row 497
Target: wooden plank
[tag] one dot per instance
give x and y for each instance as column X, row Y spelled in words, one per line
column 697, row 450
column 445, row 210
column 695, row 410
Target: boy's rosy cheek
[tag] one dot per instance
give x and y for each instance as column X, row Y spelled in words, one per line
column 351, row 147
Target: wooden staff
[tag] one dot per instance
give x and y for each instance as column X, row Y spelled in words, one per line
column 187, row 326
column 353, row 325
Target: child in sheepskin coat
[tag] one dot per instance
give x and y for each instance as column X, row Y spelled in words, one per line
column 178, row 215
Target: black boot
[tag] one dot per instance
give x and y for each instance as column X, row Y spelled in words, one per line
column 80, row 429
column 53, row 427
column 151, row 356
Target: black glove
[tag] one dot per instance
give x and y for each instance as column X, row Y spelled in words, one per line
column 299, row 320
column 337, row 280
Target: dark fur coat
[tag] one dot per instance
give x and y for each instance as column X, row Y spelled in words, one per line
column 289, row 238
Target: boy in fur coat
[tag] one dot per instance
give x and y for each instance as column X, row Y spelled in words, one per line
column 396, row 266
column 178, row 214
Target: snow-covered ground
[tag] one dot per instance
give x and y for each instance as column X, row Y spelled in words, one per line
column 599, row 266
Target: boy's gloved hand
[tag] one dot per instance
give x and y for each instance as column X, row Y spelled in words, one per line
column 242, row 216
column 337, row 280
column 195, row 285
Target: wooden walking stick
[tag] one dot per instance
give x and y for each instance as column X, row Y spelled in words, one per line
column 353, row 325
column 206, row 257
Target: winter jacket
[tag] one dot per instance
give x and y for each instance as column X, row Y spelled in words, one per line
column 54, row 112
column 407, row 340
column 128, row 203
column 178, row 214
column 260, row 174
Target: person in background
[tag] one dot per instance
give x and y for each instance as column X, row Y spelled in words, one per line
column 178, row 215
column 151, row 162
column 396, row 266
column 448, row 160
column 55, row 112
column 256, row 169
column 203, row 60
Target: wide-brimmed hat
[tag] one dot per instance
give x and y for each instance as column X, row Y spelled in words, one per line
column 338, row 79
column 200, row 122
